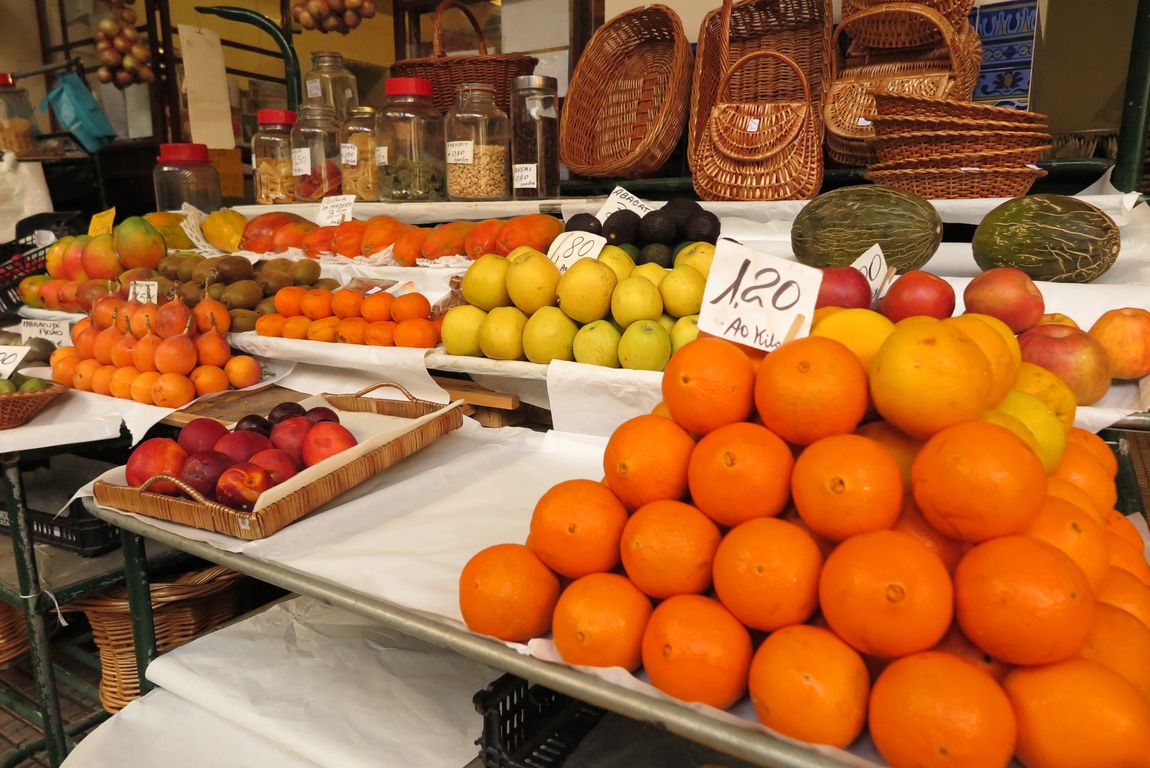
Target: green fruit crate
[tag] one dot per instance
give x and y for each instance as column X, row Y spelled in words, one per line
column 77, row 532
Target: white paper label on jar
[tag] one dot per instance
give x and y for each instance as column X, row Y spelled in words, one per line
column 381, row 155
column 300, row 161
column 461, row 152
column 314, row 91
column 349, row 154
column 525, row 175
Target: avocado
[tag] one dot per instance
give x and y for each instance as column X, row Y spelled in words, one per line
column 657, row 227
column 703, row 227
column 680, row 209
column 9, row 339
column 680, row 246
column 621, row 227
column 584, row 222
column 40, row 350
column 655, row 253
column 631, row 250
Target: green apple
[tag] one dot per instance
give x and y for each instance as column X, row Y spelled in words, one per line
column 597, row 343
column 652, row 272
column 697, row 255
column 682, row 291
column 532, row 280
column 549, row 335
column 585, row 290
column 501, row 333
column 617, row 259
column 666, row 321
column 460, row 331
column 635, row 298
column 645, row 346
column 685, row 331
column 485, row 282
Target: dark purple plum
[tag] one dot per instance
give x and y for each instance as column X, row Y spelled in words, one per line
column 320, row 413
column 285, row 411
column 254, row 423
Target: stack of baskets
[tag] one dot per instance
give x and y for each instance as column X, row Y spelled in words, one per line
column 938, row 149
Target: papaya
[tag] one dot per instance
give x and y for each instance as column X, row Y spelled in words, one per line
column 409, row 247
column 290, row 235
column 446, row 239
column 481, row 239
column 348, row 238
column 168, row 225
column 535, row 230
column 259, row 233
column 381, row 232
column 318, row 241
column 224, row 229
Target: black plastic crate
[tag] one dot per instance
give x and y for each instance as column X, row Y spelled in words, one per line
column 529, row 726
column 19, row 259
column 78, row 532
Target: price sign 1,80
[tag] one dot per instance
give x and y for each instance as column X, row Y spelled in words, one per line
column 569, row 247
column 872, row 265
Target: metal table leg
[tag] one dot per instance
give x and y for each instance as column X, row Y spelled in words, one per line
column 140, row 602
column 11, row 493
column 1135, row 106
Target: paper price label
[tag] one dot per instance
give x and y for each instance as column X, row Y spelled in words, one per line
column 758, row 300
column 10, row 357
column 58, row 332
column 525, row 175
column 101, row 223
column 569, row 247
column 622, row 200
column 381, row 155
column 314, row 90
column 334, row 209
column 872, row 264
column 300, row 161
column 144, row 291
column 349, row 154
column 461, row 152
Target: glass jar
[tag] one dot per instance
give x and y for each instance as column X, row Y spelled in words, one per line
column 534, row 137
column 329, row 84
column 410, row 152
column 271, row 157
column 357, row 154
column 478, row 142
column 184, row 174
column 18, row 129
column 315, row 154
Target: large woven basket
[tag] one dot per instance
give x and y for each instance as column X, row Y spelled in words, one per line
column 763, row 150
column 919, row 144
column 955, row 183
column 798, row 29
column 887, row 32
column 895, row 105
column 627, row 100
column 996, row 158
column 14, row 633
column 897, row 126
column 189, row 606
column 18, row 408
column 447, row 73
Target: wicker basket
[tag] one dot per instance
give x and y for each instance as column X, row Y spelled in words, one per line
column 189, row 606
column 798, row 29
column 954, row 183
column 897, row 126
column 18, row 408
column 627, row 100
column 911, row 146
column 447, row 73
column 885, row 32
column 765, row 150
column 894, row 105
column 997, row 158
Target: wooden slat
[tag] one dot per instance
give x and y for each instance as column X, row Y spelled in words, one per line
column 233, row 406
column 474, row 394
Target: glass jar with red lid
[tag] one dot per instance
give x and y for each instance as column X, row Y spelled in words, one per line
column 184, row 174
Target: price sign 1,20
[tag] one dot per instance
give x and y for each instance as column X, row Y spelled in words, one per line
column 569, row 247
column 758, row 300
column 10, row 357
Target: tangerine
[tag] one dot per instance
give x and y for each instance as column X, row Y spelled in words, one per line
column 296, row 327
column 1121, row 643
column 956, row 643
column 901, row 445
column 599, row 622
column 844, row 485
column 381, row 333
column 507, row 592
column 345, row 303
column 739, row 472
column 377, row 307
column 288, row 301
column 271, row 324
column 576, row 528
column 315, row 304
column 708, row 384
column 350, row 330
column 410, row 306
column 668, row 548
column 417, row 332
column 323, row 329
column 646, row 460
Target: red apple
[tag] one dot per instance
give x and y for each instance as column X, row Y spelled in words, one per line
column 279, row 463
column 1072, row 355
column 203, row 469
column 241, row 484
column 289, row 435
column 1125, row 335
column 844, row 287
column 157, row 456
column 242, row 445
column 1057, row 318
column 325, row 440
column 1008, row 294
column 321, row 413
column 201, row 435
column 918, row 293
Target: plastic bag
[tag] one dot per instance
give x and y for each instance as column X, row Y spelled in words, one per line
column 23, row 192
column 77, row 111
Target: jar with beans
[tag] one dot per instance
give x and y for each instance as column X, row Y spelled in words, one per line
column 478, row 146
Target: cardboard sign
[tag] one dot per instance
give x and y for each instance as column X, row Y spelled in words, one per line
column 569, row 247
column 622, row 200
column 10, row 357
column 872, row 264
column 101, row 223
column 758, row 300
column 58, row 332
column 144, row 291
column 334, row 210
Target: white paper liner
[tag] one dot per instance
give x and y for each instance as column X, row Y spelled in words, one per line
column 594, row 400
column 34, row 313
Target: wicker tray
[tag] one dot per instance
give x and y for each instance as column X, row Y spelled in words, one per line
column 1000, row 158
column 201, row 513
column 898, row 105
column 911, row 146
column 954, row 183
column 18, row 408
column 894, row 126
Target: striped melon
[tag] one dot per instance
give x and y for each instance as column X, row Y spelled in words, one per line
column 836, row 228
column 1049, row 237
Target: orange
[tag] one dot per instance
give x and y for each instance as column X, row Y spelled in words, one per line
column 1067, row 528
column 1003, row 360
column 668, row 547
column 739, row 472
column 173, row 390
column 380, row 334
column 1078, row 713
column 296, row 327
column 323, row 330
column 1117, row 523
column 1121, row 643
column 928, row 376
column 977, row 480
column 1068, row 491
column 1122, row 589
column 84, row 374
column 64, row 370
column 768, row 557
column 102, row 380
column 958, row 644
column 315, row 304
column 576, row 528
column 1078, row 466
column 901, row 445
column 410, row 306
column 415, row 332
column 1022, row 601
column 809, row 389
column 243, row 371
column 209, row 378
column 141, row 389
column 345, row 303
column 911, row 521
column 808, row 684
column 121, row 384
column 886, row 594
column 507, row 592
column 844, row 485
column 1097, row 447
column 646, row 460
column 933, row 710
column 599, row 622
column 862, row 331
column 1128, row 557
column 707, row 384
column 288, row 301
column 271, row 324
column 376, row 307
column 695, row 650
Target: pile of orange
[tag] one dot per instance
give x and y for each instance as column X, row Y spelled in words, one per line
column 352, row 317
column 922, row 576
column 165, row 355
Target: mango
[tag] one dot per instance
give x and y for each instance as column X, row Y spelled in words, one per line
column 139, row 244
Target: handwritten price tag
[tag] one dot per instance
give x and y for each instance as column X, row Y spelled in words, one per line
column 569, row 247
column 758, row 300
column 622, row 200
column 101, row 223
column 349, row 154
column 334, row 210
column 55, row 331
column 10, row 357
column 872, row 264
column 144, row 291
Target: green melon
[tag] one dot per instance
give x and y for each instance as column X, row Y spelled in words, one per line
column 1049, row 237
column 836, row 228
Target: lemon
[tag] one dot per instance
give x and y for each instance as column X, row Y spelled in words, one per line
column 1051, row 390
column 862, row 331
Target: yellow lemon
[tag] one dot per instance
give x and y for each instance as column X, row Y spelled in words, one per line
column 1047, row 387
column 862, row 331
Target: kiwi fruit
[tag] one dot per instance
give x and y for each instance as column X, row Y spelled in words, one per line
column 169, row 266
column 266, row 306
column 305, row 272
column 243, row 320
column 242, row 294
column 327, row 284
column 233, row 269
column 272, row 281
column 190, row 292
column 188, row 267
column 216, row 290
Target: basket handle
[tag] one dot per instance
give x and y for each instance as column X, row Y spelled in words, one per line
column 725, row 38
column 437, row 28
column 205, row 576
column 949, row 36
column 183, row 486
column 729, row 71
column 391, row 384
